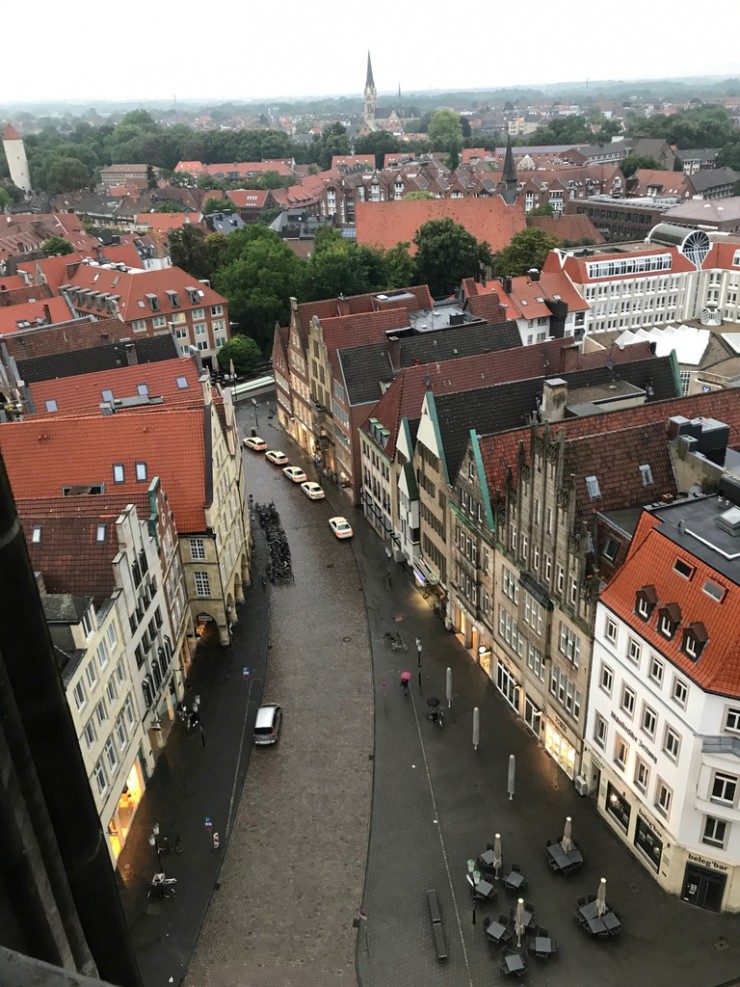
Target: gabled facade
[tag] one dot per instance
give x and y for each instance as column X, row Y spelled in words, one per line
column 663, row 731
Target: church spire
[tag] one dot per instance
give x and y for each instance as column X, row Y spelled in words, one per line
column 369, row 81
column 508, row 178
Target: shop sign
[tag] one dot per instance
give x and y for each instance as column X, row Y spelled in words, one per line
column 562, row 728
column 633, row 736
column 696, row 859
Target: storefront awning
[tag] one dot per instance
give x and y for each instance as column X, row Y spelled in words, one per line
column 425, row 573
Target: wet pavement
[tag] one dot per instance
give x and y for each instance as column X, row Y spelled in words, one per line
column 288, row 882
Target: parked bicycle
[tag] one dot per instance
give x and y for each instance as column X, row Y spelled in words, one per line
column 395, row 641
column 164, row 845
column 162, row 886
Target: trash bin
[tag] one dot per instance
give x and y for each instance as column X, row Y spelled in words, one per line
column 254, row 432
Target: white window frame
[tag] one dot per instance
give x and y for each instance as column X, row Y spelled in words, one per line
column 606, row 680
column 671, row 743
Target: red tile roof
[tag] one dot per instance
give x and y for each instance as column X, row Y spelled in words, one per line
column 346, row 331
column 53, row 270
column 169, row 220
column 134, row 286
column 526, row 300
column 248, row 198
column 11, row 134
column 43, row 312
column 499, row 451
column 77, row 334
column 352, row 160
column 577, row 270
column 46, row 454
column 572, row 227
column 8, row 282
column 384, row 224
column 651, row 563
column 84, row 394
column 331, row 308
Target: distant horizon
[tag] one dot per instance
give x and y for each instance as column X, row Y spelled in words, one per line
column 549, row 89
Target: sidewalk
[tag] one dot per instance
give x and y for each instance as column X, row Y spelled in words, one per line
column 196, row 777
column 437, row 802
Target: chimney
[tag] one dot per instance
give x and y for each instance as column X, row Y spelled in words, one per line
column 568, row 359
column 47, row 313
column 132, row 358
column 342, row 305
column 534, row 274
column 394, row 353
column 554, row 396
column 506, row 285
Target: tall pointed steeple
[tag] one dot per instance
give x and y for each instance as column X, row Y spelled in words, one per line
column 508, row 178
column 371, row 97
column 369, row 81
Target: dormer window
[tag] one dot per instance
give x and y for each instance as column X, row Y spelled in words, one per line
column 669, row 617
column 645, row 603
column 647, row 475
column 153, row 302
column 174, row 299
column 694, row 638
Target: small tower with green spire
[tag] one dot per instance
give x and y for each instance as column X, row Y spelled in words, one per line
column 371, row 97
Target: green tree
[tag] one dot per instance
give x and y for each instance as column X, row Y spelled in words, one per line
column 417, row 195
column 169, row 205
column 4, row 198
column 259, row 281
column 217, row 205
column 399, row 266
column 729, row 156
column 66, row 174
column 527, row 249
column 188, row 251
column 243, row 351
column 446, row 134
column 571, row 129
column 446, row 253
column 56, row 246
column 333, row 140
column 544, row 210
column 639, row 162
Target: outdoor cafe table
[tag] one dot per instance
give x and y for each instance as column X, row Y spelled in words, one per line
column 514, row 880
column 527, row 916
column 486, row 858
column 513, row 963
column 543, row 946
column 483, row 889
column 564, row 861
column 608, row 922
column 498, row 932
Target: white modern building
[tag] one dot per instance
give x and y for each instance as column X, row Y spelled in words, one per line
column 662, row 747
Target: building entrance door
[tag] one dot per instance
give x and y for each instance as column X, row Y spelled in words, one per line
column 703, row 887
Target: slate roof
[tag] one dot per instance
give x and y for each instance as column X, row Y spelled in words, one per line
column 69, row 364
column 651, row 561
column 507, row 406
column 366, row 368
column 711, row 178
column 174, row 381
column 384, row 224
column 43, row 455
column 76, row 334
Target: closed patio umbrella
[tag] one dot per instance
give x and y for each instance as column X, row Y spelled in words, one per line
column 567, row 843
column 519, row 921
column 498, row 857
column 601, row 898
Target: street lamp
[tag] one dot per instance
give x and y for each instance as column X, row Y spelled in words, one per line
column 474, row 878
column 154, row 844
column 256, row 419
column 418, row 657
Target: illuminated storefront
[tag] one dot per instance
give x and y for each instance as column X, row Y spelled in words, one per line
column 559, row 746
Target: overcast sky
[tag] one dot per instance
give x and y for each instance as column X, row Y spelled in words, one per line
column 148, row 50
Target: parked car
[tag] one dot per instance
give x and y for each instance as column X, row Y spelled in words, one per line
column 294, row 473
column 255, row 443
column 276, row 457
column 341, row 527
column 312, row 490
column 267, row 724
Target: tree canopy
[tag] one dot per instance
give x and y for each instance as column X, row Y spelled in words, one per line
column 379, row 143
column 446, row 253
column 445, row 133
column 56, row 246
column 527, row 249
column 243, row 351
column 639, row 162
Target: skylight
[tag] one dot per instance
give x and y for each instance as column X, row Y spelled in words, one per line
column 592, row 485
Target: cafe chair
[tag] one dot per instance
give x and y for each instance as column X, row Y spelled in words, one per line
column 486, row 922
column 583, row 900
column 516, row 868
column 541, row 931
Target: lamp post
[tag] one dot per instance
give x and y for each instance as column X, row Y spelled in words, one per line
column 473, row 877
column 418, row 657
column 154, row 844
column 256, row 419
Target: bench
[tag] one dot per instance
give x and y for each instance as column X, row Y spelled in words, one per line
column 436, row 918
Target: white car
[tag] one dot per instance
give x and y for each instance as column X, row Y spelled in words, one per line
column 276, row 457
column 312, row 490
column 255, row 443
column 341, row 527
column 294, row 473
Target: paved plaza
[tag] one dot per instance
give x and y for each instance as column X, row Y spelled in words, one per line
column 366, row 804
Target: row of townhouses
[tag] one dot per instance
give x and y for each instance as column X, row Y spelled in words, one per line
column 139, row 535
column 512, row 474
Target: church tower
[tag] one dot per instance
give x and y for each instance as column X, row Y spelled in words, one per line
column 371, row 97
column 15, row 152
column 509, row 190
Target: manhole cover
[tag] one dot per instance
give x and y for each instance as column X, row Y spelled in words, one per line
column 721, row 943
column 346, row 639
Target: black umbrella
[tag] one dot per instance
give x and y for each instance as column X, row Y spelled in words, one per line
column 432, row 702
